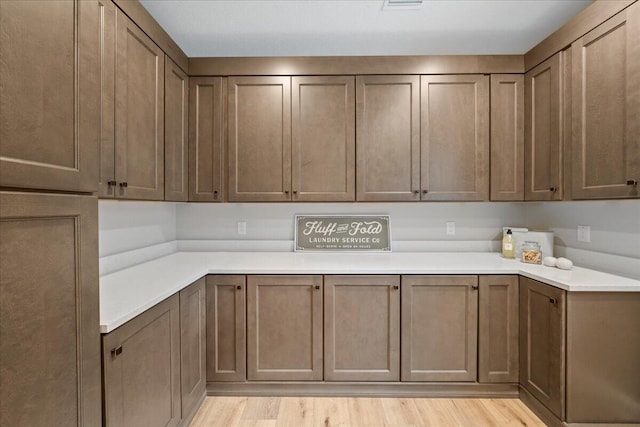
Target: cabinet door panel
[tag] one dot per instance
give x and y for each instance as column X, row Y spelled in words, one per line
column 226, row 340
column 192, row 345
column 176, row 147
column 142, row 378
column 205, row 139
column 507, row 137
column 107, row 142
column 49, row 338
column 431, row 351
column 498, row 329
column 606, row 107
column 139, row 113
column 362, row 328
column 49, row 97
column 323, row 145
column 543, row 131
column 284, row 329
column 455, row 137
column 388, row 138
column 259, row 138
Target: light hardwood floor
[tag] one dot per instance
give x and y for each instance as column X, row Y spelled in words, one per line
column 347, row 411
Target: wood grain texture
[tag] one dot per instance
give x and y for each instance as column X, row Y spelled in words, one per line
column 49, row 337
column 454, row 137
column 323, row 138
column 259, row 139
column 50, row 95
column 176, row 127
column 139, row 113
column 498, row 331
column 388, row 138
column 543, row 131
column 362, row 328
column 284, row 328
column 226, row 328
column 206, row 139
column 606, row 107
column 431, row 352
column 362, row 411
column 142, row 383
column 107, row 142
column 507, row 137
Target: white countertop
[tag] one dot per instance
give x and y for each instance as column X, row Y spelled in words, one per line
column 127, row 293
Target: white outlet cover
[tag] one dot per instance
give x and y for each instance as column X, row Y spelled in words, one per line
column 242, row 227
column 451, row 228
column 584, row 233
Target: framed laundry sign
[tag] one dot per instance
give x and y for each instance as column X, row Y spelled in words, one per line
column 342, row 233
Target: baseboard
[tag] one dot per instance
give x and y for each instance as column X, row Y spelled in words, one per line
column 541, row 411
column 186, row 419
column 362, row 389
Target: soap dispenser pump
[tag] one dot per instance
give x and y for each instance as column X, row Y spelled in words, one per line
column 508, row 250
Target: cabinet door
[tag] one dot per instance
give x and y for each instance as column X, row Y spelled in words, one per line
column 455, row 137
column 49, row 338
column 49, row 96
column 139, row 113
column 606, row 109
column 439, row 328
column 205, row 139
column 542, row 343
column 323, row 140
column 107, row 143
column 284, row 330
column 362, row 328
column 176, row 146
column 226, row 340
column 507, row 137
column 192, row 346
column 498, row 331
column 259, row 139
column 141, row 363
column 388, row 138
column 543, row 131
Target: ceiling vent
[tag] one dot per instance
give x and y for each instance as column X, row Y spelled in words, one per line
column 402, row 5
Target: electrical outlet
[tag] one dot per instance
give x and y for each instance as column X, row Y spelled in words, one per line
column 242, row 227
column 451, row 228
column 584, row 233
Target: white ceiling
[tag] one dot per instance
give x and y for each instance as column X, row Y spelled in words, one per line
column 222, row 28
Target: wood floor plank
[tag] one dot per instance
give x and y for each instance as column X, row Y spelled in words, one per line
column 365, row 411
column 399, row 411
column 261, row 408
column 331, row 412
column 295, row 411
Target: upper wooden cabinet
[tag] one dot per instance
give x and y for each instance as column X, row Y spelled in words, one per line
column 176, row 147
column 388, row 138
column 206, row 133
column 49, row 103
column 543, row 131
column 507, row 137
column 606, row 109
column 455, row 137
column 323, row 138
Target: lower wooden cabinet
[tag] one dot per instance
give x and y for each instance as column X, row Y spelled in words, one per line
column 362, row 328
column 141, row 362
column 284, row 328
column 439, row 328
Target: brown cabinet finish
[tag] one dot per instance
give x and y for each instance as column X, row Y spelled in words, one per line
column 454, row 137
column 139, row 114
column 259, row 139
column 50, row 342
column 543, row 131
column 498, row 332
column 361, row 328
column 192, row 345
column 107, row 144
column 226, row 339
column 176, row 146
column 49, row 97
column 206, row 135
column 606, row 109
column 284, row 328
column 431, row 351
column 542, row 343
column 323, row 138
column 141, row 367
column 388, row 138
column 507, row 137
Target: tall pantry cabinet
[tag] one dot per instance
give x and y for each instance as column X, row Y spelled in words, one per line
column 49, row 131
